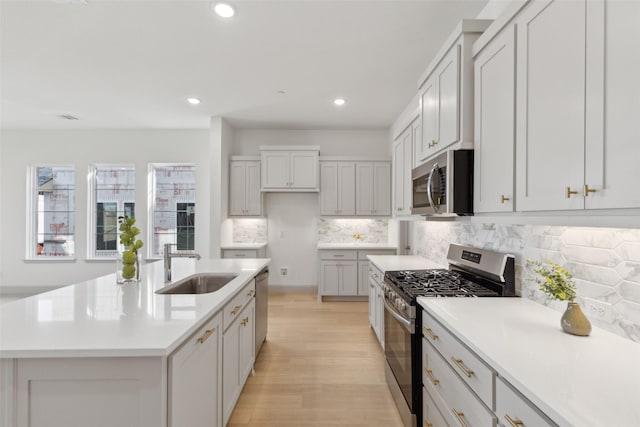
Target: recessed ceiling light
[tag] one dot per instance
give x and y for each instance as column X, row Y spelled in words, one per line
column 223, row 10
column 339, row 101
column 193, row 101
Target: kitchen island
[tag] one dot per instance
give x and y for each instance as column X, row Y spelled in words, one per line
column 97, row 353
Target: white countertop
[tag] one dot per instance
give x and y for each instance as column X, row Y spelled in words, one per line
column 576, row 381
column 244, row 246
column 100, row 318
column 402, row 262
column 357, row 245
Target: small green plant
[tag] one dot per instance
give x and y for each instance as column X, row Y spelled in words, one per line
column 555, row 280
column 128, row 233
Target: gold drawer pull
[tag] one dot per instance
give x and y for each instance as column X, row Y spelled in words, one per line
column 460, row 417
column 338, row 255
column 570, row 192
column 236, row 309
column 588, row 190
column 431, row 334
column 427, row 424
column 433, row 379
column 503, row 199
column 251, row 293
column 468, row 372
column 206, row 335
column 514, row 423
column 245, row 321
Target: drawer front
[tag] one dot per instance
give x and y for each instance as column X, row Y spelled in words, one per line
column 375, row 274
column 240, row 253
column 338, row 255
column 458, row 405
column 463, row 361
column 362, row 254
column 431, row 415
column 514, row 410
column 233, row 308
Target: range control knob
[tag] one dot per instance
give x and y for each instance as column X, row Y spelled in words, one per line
column 402, row 306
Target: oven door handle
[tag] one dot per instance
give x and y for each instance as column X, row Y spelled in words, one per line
column 408, row 324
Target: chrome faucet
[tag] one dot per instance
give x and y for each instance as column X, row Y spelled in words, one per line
column 167, row 259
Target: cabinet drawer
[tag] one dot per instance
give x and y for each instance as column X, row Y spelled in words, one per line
column 362, row 254
column 514, row 410
column 430, row 413
column 462, row 407
column 375, row 274
column 339, row 255
column 234, row 307
column 239, row 253
column 464, row 362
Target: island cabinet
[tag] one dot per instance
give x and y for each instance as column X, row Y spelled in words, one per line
column 285, row 168
column 195, row 378
column 376, row 302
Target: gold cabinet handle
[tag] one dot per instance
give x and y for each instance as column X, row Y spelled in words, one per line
column 427, row 424
column 459, row 416
column 512, row 422
column 236, row 309
column 431, row 334
column 588, row 190
column 433, row 379
column 245, row 321
column 251, row 293
column 570, row 192
column 206, row 335
column 460, row 364
column 503, row 199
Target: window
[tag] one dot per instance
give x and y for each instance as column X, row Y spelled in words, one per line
column 52, row 210
column 173, row 207
column 112, row 194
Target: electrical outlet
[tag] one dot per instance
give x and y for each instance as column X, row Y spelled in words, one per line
column 597, row 309
column 284, row 271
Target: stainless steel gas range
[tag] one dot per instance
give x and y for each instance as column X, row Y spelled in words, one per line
column 472, row 273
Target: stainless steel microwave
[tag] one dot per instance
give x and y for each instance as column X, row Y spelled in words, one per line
column 444, row 185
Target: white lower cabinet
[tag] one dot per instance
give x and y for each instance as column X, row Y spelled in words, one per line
column 376, row 302
column 431, row 416
column 514, row 410
column 194, row 378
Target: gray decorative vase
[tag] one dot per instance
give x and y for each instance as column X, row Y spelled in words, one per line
column 574, row 321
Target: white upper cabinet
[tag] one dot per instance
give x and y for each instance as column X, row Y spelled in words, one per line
column 402, row 165
column 245, row 198
column 446, row 94
column 373, row 188
column 290, row 169
column 495, row 125
column 337, row 188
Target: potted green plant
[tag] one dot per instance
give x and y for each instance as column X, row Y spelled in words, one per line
column 556, row 281
column 128, row 262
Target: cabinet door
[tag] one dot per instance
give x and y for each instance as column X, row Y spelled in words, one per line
column 237, row 188
column 382, row 188
column 380, row 315
column 253, row 196
column 448, row 81
column 275, row 169
column 329, row 278
column 329, row 188
column 364, row 188
column 348, row 277
column 399, row 173
column 346, row 188
column 495, row 125
column 304, row 169
column 247, row 340
column 230, row 369
column 550, row 105
column 363, row 278
column 429, row 119
column 613, row 104
column 194, row 374
column 372, row 303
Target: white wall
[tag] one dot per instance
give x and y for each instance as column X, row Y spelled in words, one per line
column 82, row 148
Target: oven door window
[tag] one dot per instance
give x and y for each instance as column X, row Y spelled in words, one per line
column 398, row 352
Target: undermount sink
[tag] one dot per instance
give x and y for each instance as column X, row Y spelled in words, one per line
column 202, row 283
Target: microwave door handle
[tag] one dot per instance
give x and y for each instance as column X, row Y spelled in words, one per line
column 430, row 188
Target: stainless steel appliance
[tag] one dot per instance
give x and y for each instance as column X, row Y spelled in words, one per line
column 472, row 273
column 444, row 185
column 262, row 308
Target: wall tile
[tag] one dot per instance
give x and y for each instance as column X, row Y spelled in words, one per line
column 629, row 251
column 341, row 230
column 592, row 238
column 629, row 271
column 629, row 291
column 588, row 255
column 249, row 230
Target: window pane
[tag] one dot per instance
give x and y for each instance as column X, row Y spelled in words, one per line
column 115, row 194
column 174, row 207
column 55, row 211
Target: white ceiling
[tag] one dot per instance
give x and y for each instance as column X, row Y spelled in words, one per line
column 132, row 64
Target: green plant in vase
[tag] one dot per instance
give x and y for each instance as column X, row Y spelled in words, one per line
column 130, row 261
column 556, row 281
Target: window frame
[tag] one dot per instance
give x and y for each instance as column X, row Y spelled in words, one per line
column 151, row 204
column 32, row 183
column 92, row 210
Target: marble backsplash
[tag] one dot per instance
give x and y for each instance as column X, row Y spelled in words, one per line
column 604, row 261
column 249, row 230
column 341, row 230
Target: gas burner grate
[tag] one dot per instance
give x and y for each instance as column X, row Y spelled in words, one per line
column 437, row 283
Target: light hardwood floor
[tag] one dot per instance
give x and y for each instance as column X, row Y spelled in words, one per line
column 320, row 366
